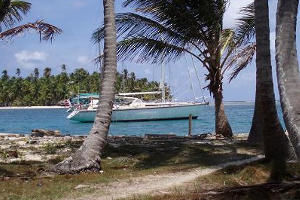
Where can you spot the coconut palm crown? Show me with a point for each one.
(163, 31)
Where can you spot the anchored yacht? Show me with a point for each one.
(128, 109)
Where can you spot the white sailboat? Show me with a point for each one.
(128, 108)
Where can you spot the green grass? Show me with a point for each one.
(28, 182)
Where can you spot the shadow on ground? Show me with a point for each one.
(186, 155)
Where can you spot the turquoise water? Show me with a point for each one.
(23, 121)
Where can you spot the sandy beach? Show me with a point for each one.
(32, 107)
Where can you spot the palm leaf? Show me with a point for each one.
(11, 12)
(148, 50)
(241, 60)
(227, 40)
(134, 25)
(46, 31)
(145, 49)
(246, 24)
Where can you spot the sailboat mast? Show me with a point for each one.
(162, 83)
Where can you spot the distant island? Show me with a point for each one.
(49, 90)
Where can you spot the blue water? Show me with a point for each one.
(23, 121)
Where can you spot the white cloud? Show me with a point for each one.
(28, 59)
(83, 60)
(233, 12)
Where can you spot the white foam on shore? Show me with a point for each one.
(10, 134)
(32, 107)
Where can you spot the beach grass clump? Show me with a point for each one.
(50, 148)
(3, 154)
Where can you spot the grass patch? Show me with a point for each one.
(50, 148)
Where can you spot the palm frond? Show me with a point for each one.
(227, 40)
(46, 31)
(134, 25)
(241, 60)
(11, 12)
(179, 23)
(145, 49)
(246, 24)
(148, 50)
(191, 18)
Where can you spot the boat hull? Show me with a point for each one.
(142, 114)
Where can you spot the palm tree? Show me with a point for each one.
(88, 157)
(11, 12)
(288, 68)
(47, 72)
(246, 27)
(4, 75)
(166, 30)
(63, 68)
(18, 72)
(273, 132)
(36, 73)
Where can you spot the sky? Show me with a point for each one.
(79, 18)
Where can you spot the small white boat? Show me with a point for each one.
(128, 109)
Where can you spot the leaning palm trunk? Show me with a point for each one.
(222, 125)
(88, 157)
(287, 68)
(275, 140)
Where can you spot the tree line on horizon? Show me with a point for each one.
(46, 89)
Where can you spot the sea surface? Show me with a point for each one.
(23, 121)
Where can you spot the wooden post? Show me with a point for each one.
(190, 125)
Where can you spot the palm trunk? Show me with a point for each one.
(222, 125)
(88, 157)
(256, 131)
(288, 69)
(275, 140)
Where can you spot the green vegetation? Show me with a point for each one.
(36, 90)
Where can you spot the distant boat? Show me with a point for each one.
(128, 109)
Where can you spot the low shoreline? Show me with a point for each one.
(32, 107)
(27, 148)
(236, 135)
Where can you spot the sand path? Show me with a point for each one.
(152, 184)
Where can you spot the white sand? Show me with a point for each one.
(32, 107)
